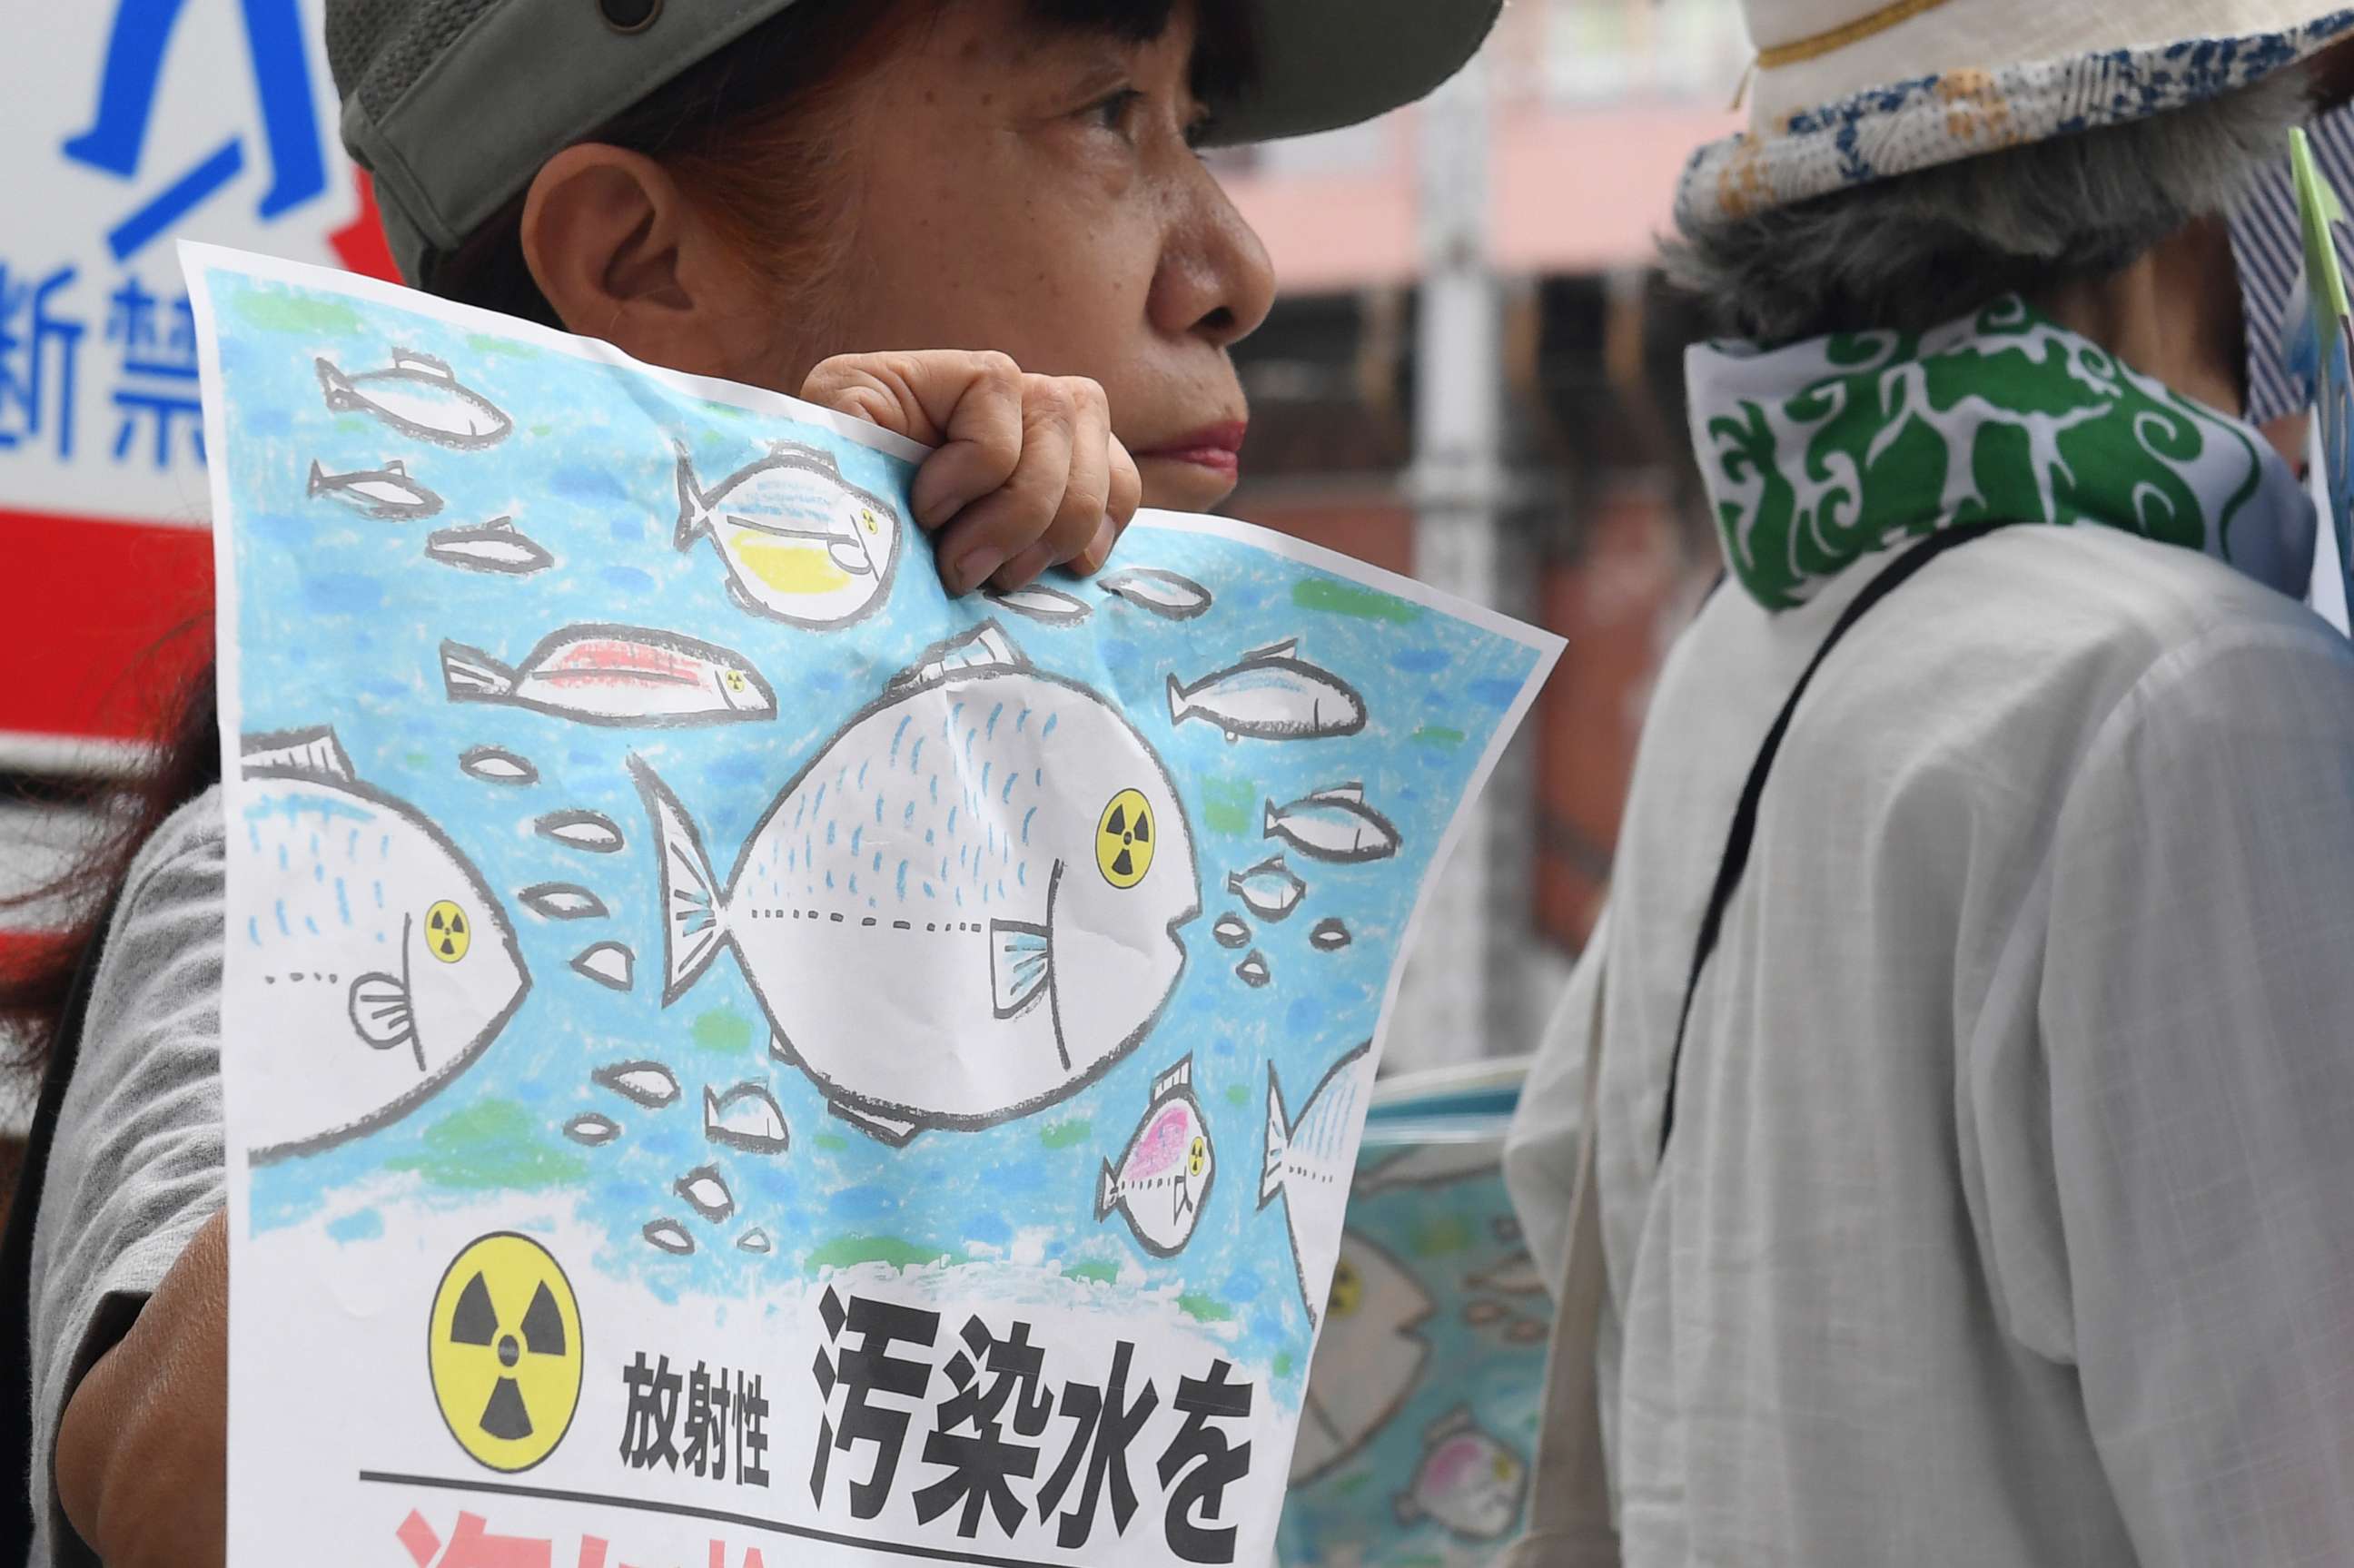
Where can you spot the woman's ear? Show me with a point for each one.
(610, 239)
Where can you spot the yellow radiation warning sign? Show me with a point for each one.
(505, 1352)
(448, 932)
(1124, 839)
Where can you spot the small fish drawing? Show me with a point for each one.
(1269, 890)
(647, 1084)
(1165, 594)
(1307, 1164)
(1270, 694)
(591, 831)
(392, 965)
(746, 1117)
(1231, 932)
(610, 964)
(562, 901)
(755, 1240)
(1003, 832)
(592, 1130)
(1516, 1275)
(385, 493)
(495, 765)
(670, 1237)
(1044, 604)
(1329, 935)
(802, 544)
(1164, 1177)
(1479, 1314)
(1253, 971)
(1334, 825)
(615, 675)
(421, 397)
(1368, 1357)
(1528, 1332)
(1432, 1165)
(705, 1191)
(1470, 1482)
(493, 547)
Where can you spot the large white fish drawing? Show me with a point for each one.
(1432, 1164)
(421, 396)
(1164, 1177)
(1333, 824)
(1308, 1165)
(383, 492)
(1368, 1358)
(388, 965)
(615, 675)
(1468, 1481)
(801, 543)
(1270, 694)
(1000, 830)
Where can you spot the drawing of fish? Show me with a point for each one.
(1231, 932)
(384, 492)
(1307, 1164)
(1165, 594)
(1431, 1165)
(746, 1117)
(592, 1130)
(610, 964)
(1269, 890)
(1049, 606)
(1270, 694)
(493, 547)
(1528, 1332)
(1329, 935)
(1479, 1314)
(615, 675)
(705, 1191)
(1164, 1177)
(421, 396)
(647, 1084)
(591, 831)
(1333, 824)
(562, 901)
(670, 1237)
(937, 830)
(801, 544)
(1468, 1481)
(495, 765)
(1253, 971)
(394, 966)
(1368, 1359)
(1516, 1275)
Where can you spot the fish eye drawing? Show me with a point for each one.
(1163, 1178)
(1270, 694)
(380, 932)
(1165, 594)
(1307, 1163)
(421, 397)
(1333, 824)
(387, 494)
(801, 544)
(622, 676)
(937, 822)
(1373, 1316)
(497, 546)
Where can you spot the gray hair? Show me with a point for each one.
(1912, 251)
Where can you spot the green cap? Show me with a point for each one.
(454, 105)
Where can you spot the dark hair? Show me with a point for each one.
(745, 127)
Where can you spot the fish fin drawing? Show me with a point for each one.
(316, 752)
(1107, 1192)
(1020, 965)
(694, 922)
(318, 478)
(1283, 649)
(805, 452)
(1351, 793)
(985, 647)
(381, 1012)
(850, 556)
(693, 506)
(398, 466)
(1278, 1141)
(424, 363)
(1180, 1076)
(470, 676)
(1270, 822)
(1454, 1424)
(886, 1129)
(743, 600)
(1180, 704)
(336, 388)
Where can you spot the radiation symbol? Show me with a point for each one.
(1348, 1291)
(504, 1351)
(448, 933)
(734, 679)
(1197, 1159)
(867, 518)
(1124, 839)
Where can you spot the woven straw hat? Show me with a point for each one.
(1848, 91)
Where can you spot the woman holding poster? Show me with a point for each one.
(982, 226)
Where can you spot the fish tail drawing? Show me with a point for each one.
(470, 676)
(695, 908)
(1273, 817)
(693, 506)
(318, 478)
(1107, 1192)
(1278, 1141)
(1180, 704)
(337, 389)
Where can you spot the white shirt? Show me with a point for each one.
(2010, 1213)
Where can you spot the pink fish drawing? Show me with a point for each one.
(620, 675)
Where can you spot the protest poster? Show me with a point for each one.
(732, 1056)
(1417, 1438)
(2320, 341)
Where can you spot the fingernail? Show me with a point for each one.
(1092, 559)
(972, 569)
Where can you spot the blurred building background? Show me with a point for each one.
(1472, 377)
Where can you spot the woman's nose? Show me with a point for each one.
(1215, 282)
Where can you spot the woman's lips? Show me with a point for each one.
(1217, 448)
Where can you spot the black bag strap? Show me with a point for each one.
(1745, 816)
(16, 1260)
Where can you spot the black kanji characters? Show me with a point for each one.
(862, 1373)
(982, 1464)
(1201, 1462)
(706, 1422)
(1108, 1423)
(650, 1424)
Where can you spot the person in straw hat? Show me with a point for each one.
(1973, 1021)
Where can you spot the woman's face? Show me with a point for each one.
(1036, 190)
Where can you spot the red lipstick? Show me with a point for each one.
(1217, 448)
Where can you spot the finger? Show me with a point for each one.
(1011, 518)
(1127, 495)
(968, 404)
(1086, 492)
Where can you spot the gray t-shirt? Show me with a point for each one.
(136, 1165)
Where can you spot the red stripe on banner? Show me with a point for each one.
(362, 246)
(104, 620)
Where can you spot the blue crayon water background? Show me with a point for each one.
(341, 617)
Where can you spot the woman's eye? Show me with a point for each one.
(1113, 113)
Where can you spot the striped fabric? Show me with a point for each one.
(2267, 242)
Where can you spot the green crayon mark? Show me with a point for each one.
(1347, 599)
(1440, 1237)
(1238, 1094)
(482, 342)
(543, 430)
(1282, 1364)
(275, 312)
(1230, 806)
(845, 1251)
(1065, 1134)
(417, 759)
(1094, 1273)
(496, 1145)
(1437, 734)
(832, 1142)
(1204, 1309)
(722, 1029)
